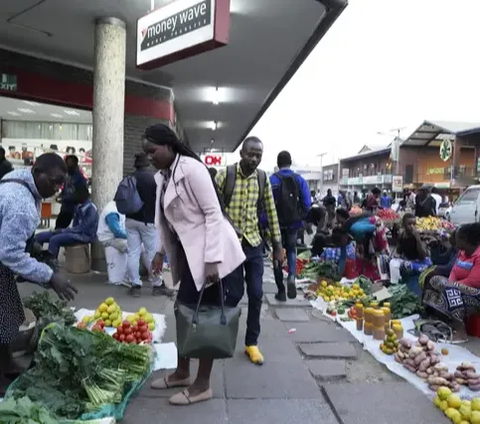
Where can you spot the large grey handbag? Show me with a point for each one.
(207, 331)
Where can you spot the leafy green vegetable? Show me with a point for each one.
(365, 284)
(403, 302)
(24, 411)
(77, 370)
(315, 270)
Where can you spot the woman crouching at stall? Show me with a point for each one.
(413, 253)
(342, 255)
(459, 295)
(201, 244)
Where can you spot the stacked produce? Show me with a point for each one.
(390, 344)
(457, 410)
(78, 371)
(324, 270)
(142, 315)
(388, 215)
(338, 291)
(403, 301)
(466, 375)
(138, 333)
(109, 311)
(422, 359)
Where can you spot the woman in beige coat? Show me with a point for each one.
(201, 244)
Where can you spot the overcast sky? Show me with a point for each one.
(384, 64)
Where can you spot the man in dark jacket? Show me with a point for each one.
(5, 165)
(141, 229)
(75, 180)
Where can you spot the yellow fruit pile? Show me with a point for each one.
(110, 312)
(339, 292)
(390, 345)
(429, 224)
(457, 410)
(144, 315)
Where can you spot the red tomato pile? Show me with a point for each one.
(99, 326)
(388, 215)
(128, 333)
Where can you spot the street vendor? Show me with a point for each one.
(371, 236)
(413, 253)
(459, 294)
(342, 254)
(20, 200)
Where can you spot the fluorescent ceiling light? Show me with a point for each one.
(13, 113)
(71, 112)
(30, 103)
(216, 96)
(56, 115)
(214, 125)
(23, 110)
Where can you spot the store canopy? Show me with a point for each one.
(269, 40)
(432, 133)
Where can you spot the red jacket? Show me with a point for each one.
(467, 269)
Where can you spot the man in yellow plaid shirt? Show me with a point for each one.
(247, 193)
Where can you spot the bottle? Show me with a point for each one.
(374, 305)
(398, 329)
(378, 319)
(368, 313)
(379, 333)
(368, 329)
(359, 324)
(359, 310)
(395, 322)
(386, 312)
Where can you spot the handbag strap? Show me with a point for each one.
(223, 319)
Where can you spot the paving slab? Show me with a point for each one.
(292, 314)
(152, 411)
(269, 287)
(272, 380)
(279, 411)
(379, 403)
(327, 369)
(298, 302)
(335, 350)
(268, 328)
(318, 331)
(217, 381)
(274, 349)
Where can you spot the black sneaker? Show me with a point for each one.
(281, 297)
(135, 291)
(162, 290)
(291, 287)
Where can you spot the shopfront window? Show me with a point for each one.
(46, 130)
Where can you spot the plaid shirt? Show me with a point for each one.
(243, 206)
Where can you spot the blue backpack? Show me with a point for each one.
(127, 198)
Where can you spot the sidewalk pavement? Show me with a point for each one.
(317, 374)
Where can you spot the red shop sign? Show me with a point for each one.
(213, 160)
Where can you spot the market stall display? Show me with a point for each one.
(458, 410)
(433, 224)
(81, 374)
(388, 216)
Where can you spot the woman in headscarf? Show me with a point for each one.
(458, 295)
(201, 244)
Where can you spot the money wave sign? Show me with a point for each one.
(181, 29)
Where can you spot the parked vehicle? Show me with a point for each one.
(467, 207)
(444, 210)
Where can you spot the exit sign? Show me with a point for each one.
(8, 82)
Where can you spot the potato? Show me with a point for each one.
(397, 358)
(420, 358)
(407, 343)
(423, 339)
(424, 365)
(438, 381)
(422, 374)
(410, 368)
(433, 387)
(473, 382)
(446, 375)
(466, 366)
(430, 345)
(471, 375)
(414, 352)
(409, 362)
(461, 381)
(474, 388)
(434, 359)
(429, 371)
(401, 355)
(441, 367)
(455, 387)
(460, 374)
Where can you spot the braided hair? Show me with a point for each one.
(163, 135)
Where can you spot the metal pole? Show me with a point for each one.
(152, 5)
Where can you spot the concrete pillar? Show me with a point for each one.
(457, 148)
(108, 116)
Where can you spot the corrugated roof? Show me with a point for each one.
(367, 154)
(432, 133)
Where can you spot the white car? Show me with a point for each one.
(444, 210)
(467, 207)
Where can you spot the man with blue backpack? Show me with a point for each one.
(293, 201)
(135, 198)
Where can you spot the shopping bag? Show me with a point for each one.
(207, 331)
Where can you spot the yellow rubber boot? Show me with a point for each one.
(254, 354)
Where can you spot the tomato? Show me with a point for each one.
(126, 324)
(101, 323)
(120, 330)
(121, 337)
(140, 322)
(142, 328)
(145, 335)
(135, 328)
(129, 338)
(115, 336)
(127, 331)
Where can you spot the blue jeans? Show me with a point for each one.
(252, 269)
(57, 240)
(289, 242)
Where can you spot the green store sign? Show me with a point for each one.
(8, 82)
(446, 150)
